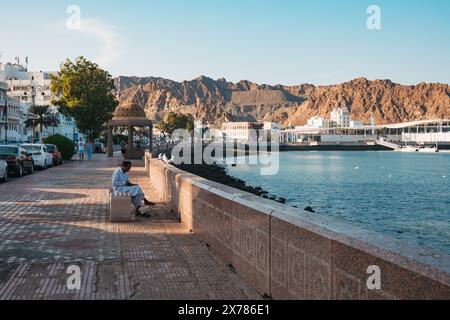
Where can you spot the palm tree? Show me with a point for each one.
(41, 116)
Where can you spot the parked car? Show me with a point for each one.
(57, 156)
(3, 170)
(42, 158)
(99, 147)
(18, 159)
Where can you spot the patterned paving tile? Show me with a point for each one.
(56, 219)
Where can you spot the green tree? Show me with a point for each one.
(85, 92)
(176, 121)
(42, 116)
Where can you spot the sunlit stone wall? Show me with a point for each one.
(286, 253)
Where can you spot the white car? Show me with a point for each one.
(42, 158)
(3, 170)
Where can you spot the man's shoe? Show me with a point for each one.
(149, 203)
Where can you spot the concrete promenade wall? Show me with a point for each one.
(286, 253)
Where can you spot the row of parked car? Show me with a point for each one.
(22, 159)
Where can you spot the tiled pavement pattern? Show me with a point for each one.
(58, 218)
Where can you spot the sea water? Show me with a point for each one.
(403, 195)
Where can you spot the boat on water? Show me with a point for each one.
(407, 149)
(419, 148)
(429, 149)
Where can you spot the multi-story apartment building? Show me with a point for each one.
(3, 93)
(12, 128)
(33, 88)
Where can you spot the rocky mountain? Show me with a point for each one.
(216, 101)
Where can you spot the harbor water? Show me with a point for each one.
(403, 195)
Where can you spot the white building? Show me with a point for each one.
(356, 124)
(34, 88)
(66, 127)
(272, 126)
(319, 122)
(26, 86)
(424, 132)
(272, 131)
(241, 131)
(248, 132)
(3, 90)
(341, 117)
(14, 119)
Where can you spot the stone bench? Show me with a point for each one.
(120, 207)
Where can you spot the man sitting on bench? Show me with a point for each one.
(121, 183)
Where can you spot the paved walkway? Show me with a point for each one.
(55, 219)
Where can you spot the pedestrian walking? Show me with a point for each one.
(90, 149)
(81, 149)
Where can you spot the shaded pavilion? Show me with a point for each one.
(130, 115)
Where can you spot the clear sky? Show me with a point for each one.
(266, 41)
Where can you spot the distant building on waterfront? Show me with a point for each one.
(341, 117)
(33, 88)
(319, 122)
(241, 131)
(272, 131)
(356, 124)
(248, 132)
(272, 126)
(425, 132)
